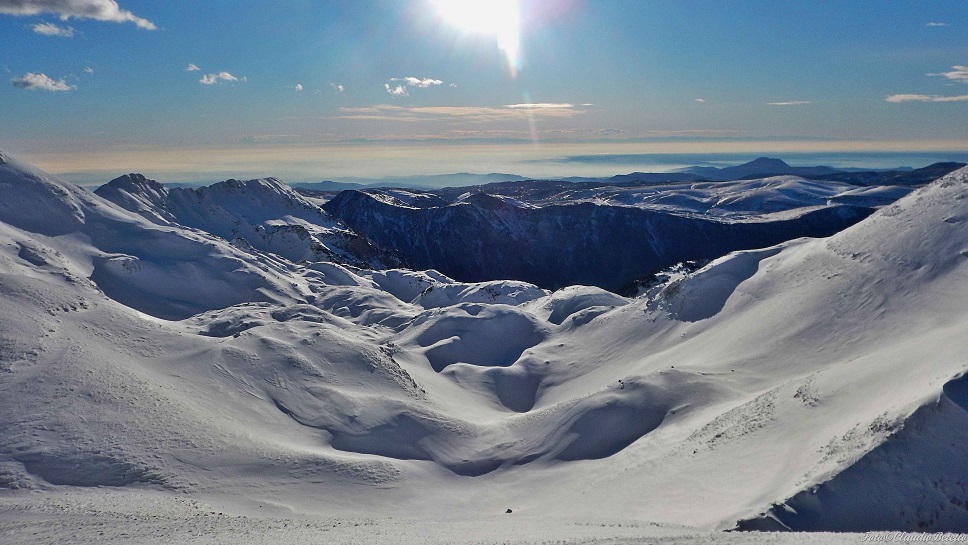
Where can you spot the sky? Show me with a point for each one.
(307, 90)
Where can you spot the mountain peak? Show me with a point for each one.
(766, 162)
(135, 182)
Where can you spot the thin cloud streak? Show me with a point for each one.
(957, 73)
(790, 103)
(540, 106)
(472, 114)
(926, 98)
(50, 29)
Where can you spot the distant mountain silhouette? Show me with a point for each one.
(909, 178)
(762, 166)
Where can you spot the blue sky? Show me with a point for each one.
(327, 89)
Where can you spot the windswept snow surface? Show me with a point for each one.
(150, 368)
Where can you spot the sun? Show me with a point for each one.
(498, 18)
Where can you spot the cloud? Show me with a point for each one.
(398, 91)
(585, 132)
(337, 87)
(269, 139)
(99, 10)
(399, 86)
(926, 98)
(88, 70)
(212, 79)
(417, 82)
(790, 103)
(192, 67)
(298, 87)
(50, 29)
(958, 73)
(471, 114)
(935, 23)
(540, 106)
(700, 100)
(31, 81)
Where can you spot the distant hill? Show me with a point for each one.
(436, 180)
(328, 185)
(760, 167)
(910, 178)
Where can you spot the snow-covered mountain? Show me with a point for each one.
(556, 234)
(776, 386)
(265, 213)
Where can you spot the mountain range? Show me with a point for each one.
(162, 380)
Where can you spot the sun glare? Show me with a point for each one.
(498, 18)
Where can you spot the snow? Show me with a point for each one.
(264, 214)
(131, 518)
(726, 199)
(159, 384)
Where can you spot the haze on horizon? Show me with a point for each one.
(312, 90)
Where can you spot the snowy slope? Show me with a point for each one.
(162, 270)
(258, 385)
(264, 214)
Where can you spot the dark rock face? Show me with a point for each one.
(485, 237)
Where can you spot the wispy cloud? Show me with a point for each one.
(958, 73)
(298, 87)
(600, 132)
(50, 29)
(790, 103)
(541, 106)
(88, 70)
(696, 133)
(936, 23)
(99, 10)
(926, 98)
(400, 86)
(32, 82)
(700, 100)
(269, 139)
(337, 87)
(472, 114)
(192, 67)
(212, 79)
